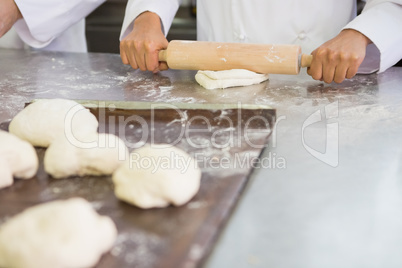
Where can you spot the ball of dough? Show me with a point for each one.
(65, 233)
(156, 176)
(17, 158)
(6, 174)
(97, 154)
(41, 122)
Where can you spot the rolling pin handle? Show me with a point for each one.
(163, 55)
(306, 60)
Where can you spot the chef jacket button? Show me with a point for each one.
(242, 37)
(302, 35)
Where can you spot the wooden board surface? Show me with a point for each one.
(173, 236)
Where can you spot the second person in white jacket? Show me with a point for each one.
(57, 25)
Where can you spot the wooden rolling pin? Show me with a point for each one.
(214, 56)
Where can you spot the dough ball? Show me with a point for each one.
(17, 158)
(97, 154)
(156, 176)
(6, 174)
(41, 122)
(65, 233)
(229, 78)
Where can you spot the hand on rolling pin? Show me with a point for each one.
(9, 14)
(140, 48)
(339, 58)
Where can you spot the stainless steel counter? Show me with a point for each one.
(329, 189)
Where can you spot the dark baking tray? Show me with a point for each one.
(173, 236)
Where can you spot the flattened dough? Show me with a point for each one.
(229, 78)
(66, 233)
(17, 158)
(157, 176)
(41, 122)
(97, 154)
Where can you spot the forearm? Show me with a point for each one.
(381, 22)
(149, 21)
(9, 14)
(165, 9)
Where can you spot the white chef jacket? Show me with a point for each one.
(50, 25)
(308, 23)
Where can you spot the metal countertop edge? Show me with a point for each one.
(140, 105)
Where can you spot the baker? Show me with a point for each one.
(329, 30)
(45, 24)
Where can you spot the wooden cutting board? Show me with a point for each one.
(173, 236)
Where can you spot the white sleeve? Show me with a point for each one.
(44, 20)
(381, 22)
(165, 9)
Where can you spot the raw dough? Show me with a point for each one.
(99, 154)
(57, 234)
(41, 122)
(6, 175)
(17, 158)
(229, 78)
(156, 176)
